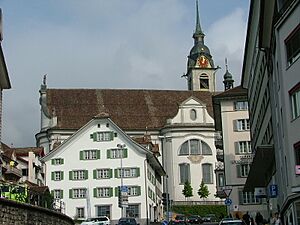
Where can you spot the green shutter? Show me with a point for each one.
(95, 192)
(61, 161)
(81, 155)
(116, 191)
(236, 146)
(95, 136)
(111, 192)
(52, 175)
(52, 193)
(241, 201)
(116, 173)
(52, 161)
(110, 173)
(238, 170)
(86, 174)
(61, 194)
(98, 154)
(139, 190)
(61, 175)
(70, 193)
(108, 155)
(125, 153)
(137, 172)
(91, 136)
(95, 174)
(70, 175)
(111, 135)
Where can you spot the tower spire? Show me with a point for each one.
(198, 34)
(228, 80)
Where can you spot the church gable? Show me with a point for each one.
(192, 111)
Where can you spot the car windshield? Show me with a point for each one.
(97, 219)
(126, 221)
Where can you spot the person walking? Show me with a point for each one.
(246, 218)
(276, 219)
(259, 220)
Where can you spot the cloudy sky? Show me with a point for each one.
(127, 44)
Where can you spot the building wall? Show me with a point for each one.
(70, 152)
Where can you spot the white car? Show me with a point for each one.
(101, 220)
(230, 221)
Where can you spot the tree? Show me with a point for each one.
(203, 191)
(187, 190)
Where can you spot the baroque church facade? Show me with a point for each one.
(179, 125)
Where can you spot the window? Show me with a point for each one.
(127, 172)
(102, 173)
(184, 170)
(221, 180)
(207, 173)
(204, 82)
(57, 175)
(89, 154)
(243, 170)
(134, 190)
(57, 161)
(243, 147)
(103, 192)
(78, 175)
(116, 153)
(193, 114)
(297, 152)
(292, 44)
(103, 210)
(80, 212)
(133, 210)
(195, 147)
(242, 125)
(24, 172)
(102, 136)
(248, 198)
(295, 100)
(78, 193)
(241, 105)
(57, 194)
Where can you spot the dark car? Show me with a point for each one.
(210, 218)
(194, 219)
(177, 222)
(180, 218)
(127, 221)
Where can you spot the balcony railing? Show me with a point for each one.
(220, 155)
(10, 170)
(218, 140)
(219, 166)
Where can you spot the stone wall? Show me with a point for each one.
(14, 213)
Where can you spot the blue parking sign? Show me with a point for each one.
(273, 191)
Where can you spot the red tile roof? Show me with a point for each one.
(24, 151)
(129, 109)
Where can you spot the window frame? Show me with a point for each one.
(78, 212)
(295, 101)
(241, 105)
(205, 178)
(202, 148)
(78, 193)
(292, 50)
(184, 173)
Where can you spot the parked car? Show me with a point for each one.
(230, 221)
(127, 221)
(180, 217)
(210, 218)
(194, 219)
(101, 220)
(177, 222)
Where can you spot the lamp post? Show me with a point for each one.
(121, 147)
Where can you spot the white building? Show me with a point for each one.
(85, 173)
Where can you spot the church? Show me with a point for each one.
(176, 126)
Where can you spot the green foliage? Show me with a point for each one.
(203, 191)
(200, 210)
(187, 190)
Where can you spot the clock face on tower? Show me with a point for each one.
(202, 61)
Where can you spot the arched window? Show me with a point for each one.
(207, 173)
(184, 171)
(193, 114)
(204, 81)
(195, 147)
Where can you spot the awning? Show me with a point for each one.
(262, 168)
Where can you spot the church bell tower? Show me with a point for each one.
(200, 67)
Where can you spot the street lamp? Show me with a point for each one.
(121, 148)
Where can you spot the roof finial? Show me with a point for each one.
(198, 34)
(226, 64)
(44, 79)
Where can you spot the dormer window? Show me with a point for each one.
(193, 114)
(204, 81)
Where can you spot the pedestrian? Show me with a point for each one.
(276, 219)
(246, 218)
(259, 220)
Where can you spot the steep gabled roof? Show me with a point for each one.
(24, 151)
(129, 109)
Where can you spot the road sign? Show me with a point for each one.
(228, 201)
(227, 191)
(124, 189)
(273, 191)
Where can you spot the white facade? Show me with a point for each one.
(67, 172)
